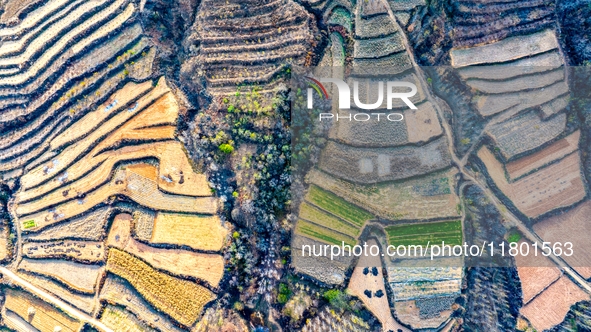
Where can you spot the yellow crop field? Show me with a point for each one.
(119, 319)
(45, 317)
(208, 267)
(195, 231)
(183, 300)
(93, 119)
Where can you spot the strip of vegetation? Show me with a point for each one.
(420, 234)
(337, 206)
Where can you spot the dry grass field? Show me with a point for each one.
(196, 231)
(360, 283)
(535, 279)
(90, 227)
(15, 322)
(556, 150)
(555, 186)
(129, 182)
(67, 249)
(76, 276)
(428, 197)
(143, 224)
(63, 160)
(409, 313)
(183, 300)
(84, 302)
(529, 65)
(122, 320)
(422, 124)
(371, 165)
(506, 50)
(535, 273)
(570, 226)
(99, 176)
(45, 318)
(93, 119)
(549, 308)
(208, 267)
(536, 81)
(117, 291)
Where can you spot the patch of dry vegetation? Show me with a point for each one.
(183, 300)
(38, 313)
(551, 306)
(196, 231)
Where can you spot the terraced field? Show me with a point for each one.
(183, 300)
(205, 267)
(557, 185)
(428, 197)
(551, 306)
(117, 291)
(377, 170)
(508, 56)
(121, 320)
(478, 22)
(39, 314)
(449, 232)
(232, 53)
(536, 274)
(572, 225)
(89, 132)
(519, 87)
(111, 225)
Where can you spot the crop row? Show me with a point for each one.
(423, 233)
(183, 300)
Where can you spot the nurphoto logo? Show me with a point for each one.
(344, 98)
(345, 93)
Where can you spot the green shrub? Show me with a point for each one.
(284, 293)
(226, 148)
(336, 298)
(514, 236)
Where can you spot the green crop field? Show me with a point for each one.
(322, 234)
(420, 234)
(337, 206)
(29, 224)
(317, 216)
